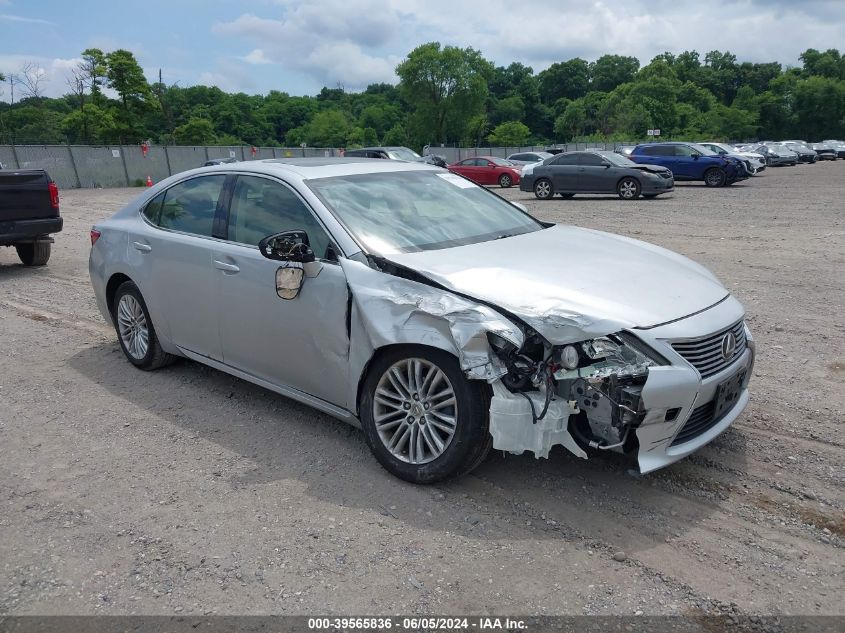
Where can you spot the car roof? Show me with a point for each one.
(306, 168)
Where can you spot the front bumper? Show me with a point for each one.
(15, 231)
(680, 386)
(654, 186)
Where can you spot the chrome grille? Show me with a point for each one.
(705, 353)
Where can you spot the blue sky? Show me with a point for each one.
(297, 47)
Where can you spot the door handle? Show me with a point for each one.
(140, 246)
(229, 268)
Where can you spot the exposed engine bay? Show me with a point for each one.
(583, 395)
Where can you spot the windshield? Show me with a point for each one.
(410, 211)
(502, 162)
(403, 153)
(706, 151)
(618, 159)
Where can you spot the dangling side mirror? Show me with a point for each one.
(288, 246)
(289, 280)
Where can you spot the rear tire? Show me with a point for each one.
(505, 181)
(715, 177)
(34, 253)
(543, 189)
(135, 330)
(392, 382)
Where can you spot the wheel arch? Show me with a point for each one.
(632, 176)
(112, 285)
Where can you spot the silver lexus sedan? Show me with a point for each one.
(428, 311)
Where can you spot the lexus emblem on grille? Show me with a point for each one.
(728, 345)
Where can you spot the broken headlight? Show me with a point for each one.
(619, 354)
(605, 386)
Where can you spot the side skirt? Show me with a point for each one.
(288, 392)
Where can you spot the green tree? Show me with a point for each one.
(195, 132)
(820, 107)
(510, 134)
(572, 122)
(570, 79)
(329, 128)
(94, 69)
(395, 136)
(609, 71)
(90, 124)
(445, 88)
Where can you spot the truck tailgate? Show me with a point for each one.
(24, 195)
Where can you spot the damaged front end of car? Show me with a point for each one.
(582, 395)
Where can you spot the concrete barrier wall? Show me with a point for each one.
(125, 166)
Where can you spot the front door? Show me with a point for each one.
(594, 174)
(301, 342)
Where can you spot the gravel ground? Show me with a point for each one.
(189, 491)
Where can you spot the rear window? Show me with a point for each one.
(190, 206)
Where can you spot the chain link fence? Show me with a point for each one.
(75, 166)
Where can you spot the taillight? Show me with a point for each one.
(54, 195)
(95, 235)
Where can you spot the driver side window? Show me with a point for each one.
(262, 207)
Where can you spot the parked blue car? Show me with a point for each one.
(691, 161)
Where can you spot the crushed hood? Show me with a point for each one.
(569, 283)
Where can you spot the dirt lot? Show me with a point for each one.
(188, 491)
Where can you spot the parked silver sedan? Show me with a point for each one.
(354, 286)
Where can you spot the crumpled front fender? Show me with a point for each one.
(389, 310)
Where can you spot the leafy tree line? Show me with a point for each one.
(445, 95)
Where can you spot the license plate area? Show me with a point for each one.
(727, 394)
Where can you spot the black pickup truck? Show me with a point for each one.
(29, 213)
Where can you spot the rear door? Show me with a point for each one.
(564, 172)
(174, 254)
(301, 342)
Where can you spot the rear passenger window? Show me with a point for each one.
(153, 209)
(659, 150)
(565, 159)
(189, 207)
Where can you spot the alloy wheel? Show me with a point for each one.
(132, 326)
(628, 189)
(543, 189)
(415, 410)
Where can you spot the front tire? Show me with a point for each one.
(34, 253)
(628, 188)
(422, 418)
(543, 189)
(135, 330)
(505, 181)
(715, 177)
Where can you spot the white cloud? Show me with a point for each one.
(325, 40)
(356, 42)
(5, 17)
(256, 56)
(55, 72)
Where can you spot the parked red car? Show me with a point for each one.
(488, 170)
